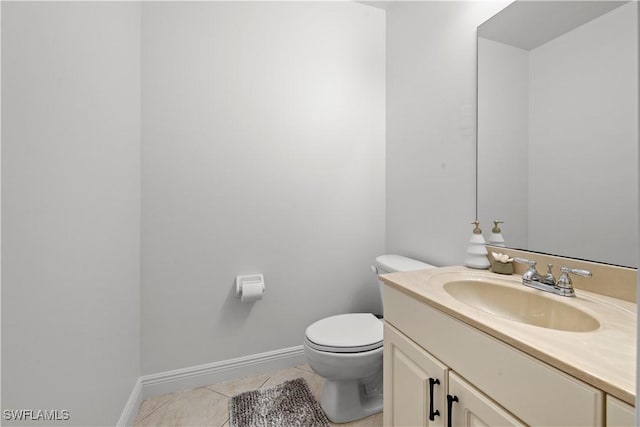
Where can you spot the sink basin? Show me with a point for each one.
(521, 305)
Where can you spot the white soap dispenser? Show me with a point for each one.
(496, 238)
(476, 252)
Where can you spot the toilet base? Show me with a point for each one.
(348, 400)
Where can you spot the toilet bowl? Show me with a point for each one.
(346, 350)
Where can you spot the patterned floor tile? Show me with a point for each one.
(197, 407)
(148, 406)
(233, 387)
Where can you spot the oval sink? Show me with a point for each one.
(521, 306)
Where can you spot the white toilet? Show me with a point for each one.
(347, 351)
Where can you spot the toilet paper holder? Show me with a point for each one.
(246, 280)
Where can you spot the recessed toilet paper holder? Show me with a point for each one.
(246, 280)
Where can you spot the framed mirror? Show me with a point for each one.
(558, 128)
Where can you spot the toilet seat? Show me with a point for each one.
(345, 333)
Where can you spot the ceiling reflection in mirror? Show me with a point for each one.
(558, 128)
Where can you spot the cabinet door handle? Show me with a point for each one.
(432, 414)
(450, 400)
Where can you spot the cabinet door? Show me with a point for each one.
(472, 408)
(408, 397)
(619, 414)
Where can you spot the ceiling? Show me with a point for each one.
(529, 24)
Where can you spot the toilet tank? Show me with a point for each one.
(392, 263)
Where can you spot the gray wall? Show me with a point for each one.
(263, 152)
(430, 139)
(70, 208)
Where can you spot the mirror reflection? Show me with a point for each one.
(558, 128)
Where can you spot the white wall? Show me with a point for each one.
(503, 139)
(70, 208)
(431, 95)
(263, 152)
(567, 74)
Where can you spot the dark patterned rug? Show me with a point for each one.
(288, 404)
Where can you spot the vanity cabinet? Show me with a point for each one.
(619, 413)
(495, 383)
(422, 391)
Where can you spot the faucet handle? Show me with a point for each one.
(565, 284)
(576, 271)
(531, 262)
(531, 274)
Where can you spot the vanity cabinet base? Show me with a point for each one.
(619, 413)
(531, 391)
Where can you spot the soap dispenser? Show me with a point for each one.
(496, 238)
(476, 252)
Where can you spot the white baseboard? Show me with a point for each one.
(211, 373)
(131, 408)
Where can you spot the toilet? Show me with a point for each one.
(346, 350)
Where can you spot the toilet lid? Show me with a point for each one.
(393, 263)
(346, 333)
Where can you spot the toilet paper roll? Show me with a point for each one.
(252, 291)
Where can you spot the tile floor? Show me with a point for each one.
(209, 406)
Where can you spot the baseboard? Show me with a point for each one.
(211, 373)
(131, 408)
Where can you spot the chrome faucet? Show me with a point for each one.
(563, 286)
